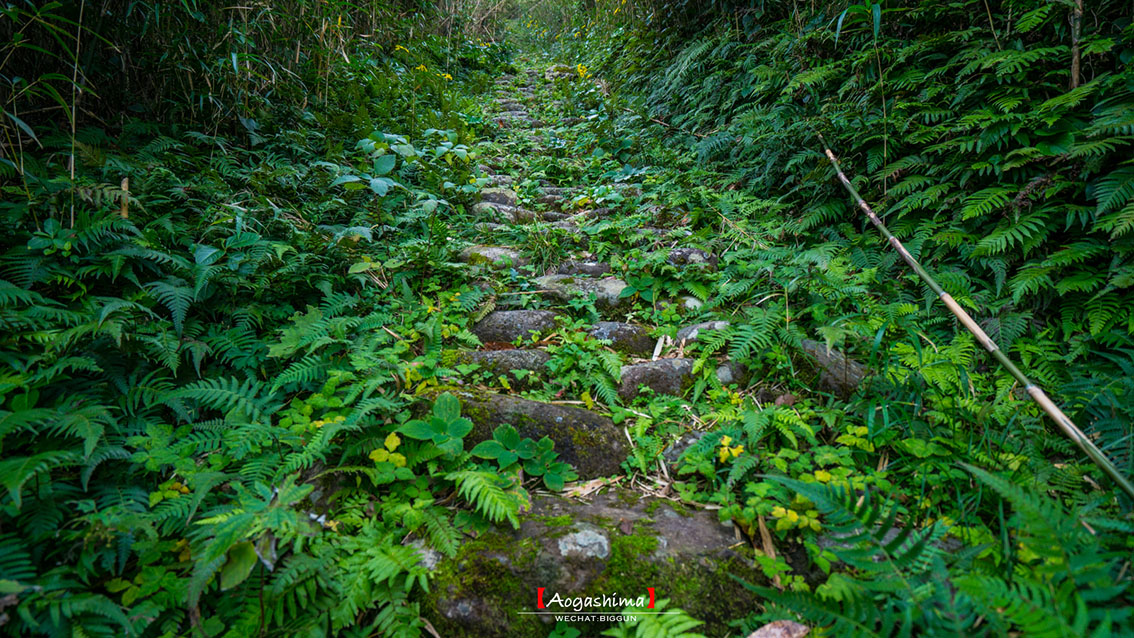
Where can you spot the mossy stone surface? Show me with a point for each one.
(588, 441)
(616, 545)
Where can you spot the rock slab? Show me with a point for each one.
(664, 376)
(588, 441)
(618, 545)
(505, 326)
(624, 337)
(607, 290)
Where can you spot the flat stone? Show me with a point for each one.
(592, 268)
(558, 191)
(689, 302)
(550, 200)
(516, 113)
(498, 256)
(664, 376)
(505, 361)
(572, 121)
(838, 373)
(614, 545)
(588, 441)
(564, 287)
(568, 225)
(689, 334)
(560, 72)
(624, 337)
(505, 326)
(503, 212)
(501, 180)
(504, 196)
(732, 372)
(692, 257)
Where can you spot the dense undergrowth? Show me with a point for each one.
(190, 353)
(1001, 169)
(207, 423)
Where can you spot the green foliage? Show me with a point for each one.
(200, 411)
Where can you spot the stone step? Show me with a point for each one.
(495, 256)
(505, 326)
(664, 376)
(590, 268)
(565, 287)
(673, 376)
(503, 362)
(505, 196)
(590, 442)
(624, 337)
(692, 256)
(618, 544)
(690, 334)
(504, 213)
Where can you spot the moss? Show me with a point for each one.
(630, 498)
(557, 521)
(484, 570)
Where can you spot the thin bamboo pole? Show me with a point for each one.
(1035, 392)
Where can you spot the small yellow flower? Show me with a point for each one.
(582, 70)
(420, 67)
(334, 525)
(727, 452)
(402, 48)
(447, 76)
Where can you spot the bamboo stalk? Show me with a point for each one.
(1035, 392)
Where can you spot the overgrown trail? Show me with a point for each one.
(635, 539)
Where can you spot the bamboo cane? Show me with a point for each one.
(1035, 392)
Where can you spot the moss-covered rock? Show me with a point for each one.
(503, 362)
(505, 326)
(624, 337)
(617, 545)
(590, 442)
(495, 256)
(838, 372)
(664, 376)
(607, 290)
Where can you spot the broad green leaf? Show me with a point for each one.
(241, 560)
(344, 179)
(384, 164)
(490, 449)
(447, 407)
(459, 427)
(417, 429)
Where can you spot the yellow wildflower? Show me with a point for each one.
(420, 67)
(334, 525)
(402, 48)
(446, 76)
(582, 70)
(727, 452)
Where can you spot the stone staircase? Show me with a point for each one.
(620, 542)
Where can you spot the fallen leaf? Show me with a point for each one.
(788, 399)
